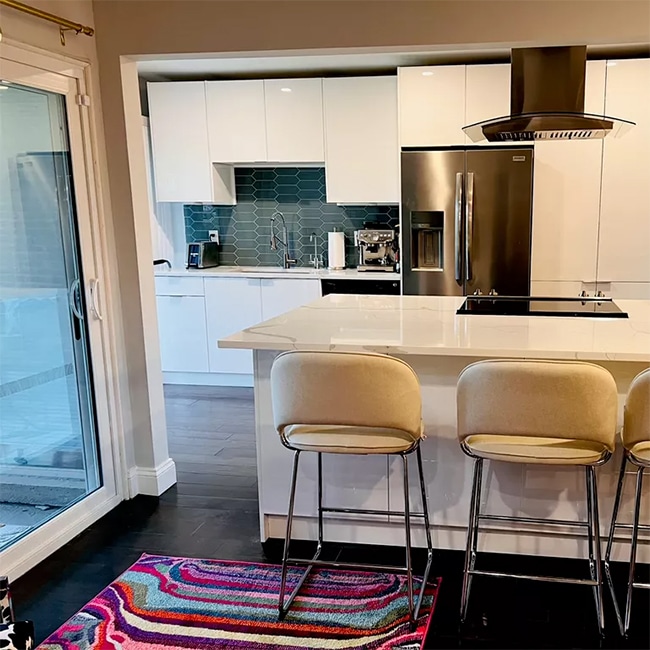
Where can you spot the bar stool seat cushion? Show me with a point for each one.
(535, 450)
(641, 451)
(348, 439)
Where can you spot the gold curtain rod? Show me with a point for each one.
(64, 24)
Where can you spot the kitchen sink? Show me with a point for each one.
(274, 269)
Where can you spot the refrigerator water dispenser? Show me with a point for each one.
(427, 240)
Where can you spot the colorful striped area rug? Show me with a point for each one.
(169, 602)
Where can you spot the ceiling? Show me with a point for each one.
(279, 64)
(218, 67)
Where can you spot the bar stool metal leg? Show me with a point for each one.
(320, 504)
(285, 555)
(472, 536)
(407, 531)
(635, 537)
(427, 531)
(594, 533)
(610, 543)
(590, 540)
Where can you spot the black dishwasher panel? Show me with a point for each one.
(368, 287)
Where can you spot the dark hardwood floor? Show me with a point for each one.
(212, 513)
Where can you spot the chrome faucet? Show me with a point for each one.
(286, 260)
(315, 257)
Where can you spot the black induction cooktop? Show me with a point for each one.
(541, 306)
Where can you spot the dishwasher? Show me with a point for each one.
(368, 287)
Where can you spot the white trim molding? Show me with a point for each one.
(152, 481)
(42, 542)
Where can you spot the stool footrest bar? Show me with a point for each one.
(347, 565)
(645, 527)
(522, 576)
(641, 585)
(358, 511)
(535, 520)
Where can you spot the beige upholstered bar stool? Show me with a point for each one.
(636, 443)
(348, 403)
(540, 412)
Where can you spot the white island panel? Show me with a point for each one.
(438, 344)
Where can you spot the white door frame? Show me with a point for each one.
(70, 77)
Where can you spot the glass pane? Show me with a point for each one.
(48, 451)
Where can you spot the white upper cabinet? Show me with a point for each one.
(432, 105)
(236, 121)
(362, 150)
(179, 140)
(624, 251)
(294, 120)
(487, 94)
(566, 198)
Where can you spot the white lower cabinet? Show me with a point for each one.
(231, 305)
(194, 312)
(183, 336)
(281, 296)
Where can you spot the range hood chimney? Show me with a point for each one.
(547, 101)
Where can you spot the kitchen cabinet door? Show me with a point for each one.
(231, 305)
(294, 120)
(432, 105)
(280, 296)
(236, 121)
(182, 331)
(362, 151)
(179, 141)
(566, 198)
(487, 94)
(624, 242)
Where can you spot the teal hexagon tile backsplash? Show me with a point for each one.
(297, 192)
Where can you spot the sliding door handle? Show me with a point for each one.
(458, 215)
(94, 299)
(74, 299)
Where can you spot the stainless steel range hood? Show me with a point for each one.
(547, 101)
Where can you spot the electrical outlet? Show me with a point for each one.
(213, 235)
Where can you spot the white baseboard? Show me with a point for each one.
(152, 481)
(207, 379)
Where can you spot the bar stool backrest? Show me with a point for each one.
(636, 425)
(345, 389)
(545, 399)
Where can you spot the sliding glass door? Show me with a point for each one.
(50, 447)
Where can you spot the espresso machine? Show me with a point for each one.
(378, 248)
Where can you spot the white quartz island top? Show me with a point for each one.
(429, 325)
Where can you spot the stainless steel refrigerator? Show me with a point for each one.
(467, 220)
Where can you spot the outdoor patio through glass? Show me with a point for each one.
(48, 451)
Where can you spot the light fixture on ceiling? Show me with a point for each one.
(427, 73)
(611, 63)
(285, 90)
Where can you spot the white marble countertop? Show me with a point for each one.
(429, 325)
(278, 272)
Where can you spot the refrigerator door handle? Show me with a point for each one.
(458, 215)
(469, 225)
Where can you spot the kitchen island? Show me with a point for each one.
(427, 333)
